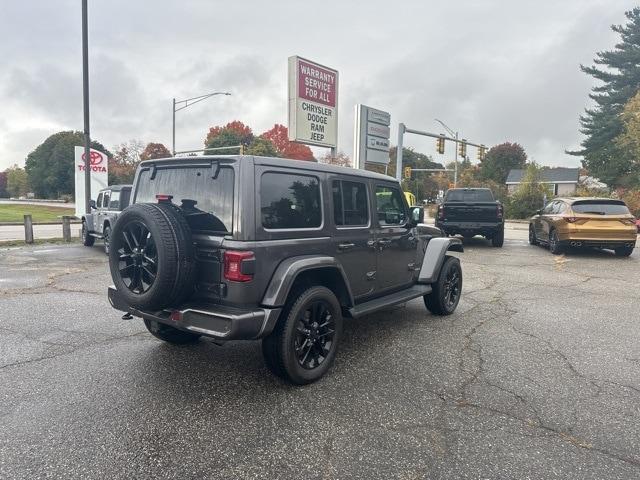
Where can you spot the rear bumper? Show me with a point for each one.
(216, 321)
(470, 227)
(597, 243)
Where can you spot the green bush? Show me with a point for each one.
(529, 196)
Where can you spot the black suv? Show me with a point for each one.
(248, 247)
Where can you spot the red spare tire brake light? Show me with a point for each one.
(239, 266)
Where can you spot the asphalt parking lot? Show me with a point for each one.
(536, 375)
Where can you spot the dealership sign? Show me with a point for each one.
(99, 176)
(372, 134)
(313, 103)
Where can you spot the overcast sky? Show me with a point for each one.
(496, 70)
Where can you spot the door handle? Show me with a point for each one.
(346, 246)
(371, 243)
(383, 243)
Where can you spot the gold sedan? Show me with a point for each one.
(584, 222)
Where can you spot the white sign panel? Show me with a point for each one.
(313, 103)
(99, 176)
(372, 133)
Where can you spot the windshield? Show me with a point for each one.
(477, 195)
(600, 207)
(207, 202)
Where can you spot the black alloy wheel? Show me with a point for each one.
(446, 291)
(138, 258)
(303, 345)
(315, 331)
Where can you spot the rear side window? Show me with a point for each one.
(114, 201)
(350, 204)
(469, 196)
(600, 207)
(290, 201)
(206, 202)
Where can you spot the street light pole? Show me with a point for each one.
(187, 103)
(85, 104)
(455, 153)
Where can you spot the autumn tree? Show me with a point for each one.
(529, 195)
(155, 150)
(17, 182)
(279, 136)
(618, 72)
(232, 134)
(500, 159)
(50, 167)
(124, 161)
(3, 185)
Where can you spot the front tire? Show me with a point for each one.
(170, 334)
(623, 251)
(106, 235)
(532, 236)
(303, 346)
(87, 240)
(445, 295)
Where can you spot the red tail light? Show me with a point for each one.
(441, 212)
(629, 221)
(500, 211)
(164, 198)
(570, 219)
(239, 266)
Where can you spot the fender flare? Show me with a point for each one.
(287, 272)
(434, 256)
(88, 220)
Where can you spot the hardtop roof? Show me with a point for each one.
(273, 161)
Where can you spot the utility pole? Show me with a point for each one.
(85, 102)
(401, 131)
(173, 143)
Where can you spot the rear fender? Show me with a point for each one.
(434, 256)
(287, 272)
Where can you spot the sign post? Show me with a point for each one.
(313, 104)
(98, 163)
(371, 136)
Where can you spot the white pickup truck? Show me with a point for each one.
(104, 211)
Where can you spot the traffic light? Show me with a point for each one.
(440, 145)
(407, 173)
(482, 152)
(462, 148)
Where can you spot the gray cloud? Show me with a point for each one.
(497, 70)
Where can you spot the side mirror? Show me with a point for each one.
(92, 204)
(417, 215)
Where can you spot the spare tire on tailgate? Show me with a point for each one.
(152, 257)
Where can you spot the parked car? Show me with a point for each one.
(104, 212)
(472, 211)
(638, 224)
(584, 222)
(248, 247)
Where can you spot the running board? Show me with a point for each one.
(388, 300)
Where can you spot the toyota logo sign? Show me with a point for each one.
(95, 158)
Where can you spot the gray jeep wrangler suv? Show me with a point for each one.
(245, 247)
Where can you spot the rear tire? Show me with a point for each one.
(623, 251)
(170, 334)
(303, 346)
(446, 292)
(497, 240)
(554, 243)
(87, 240)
